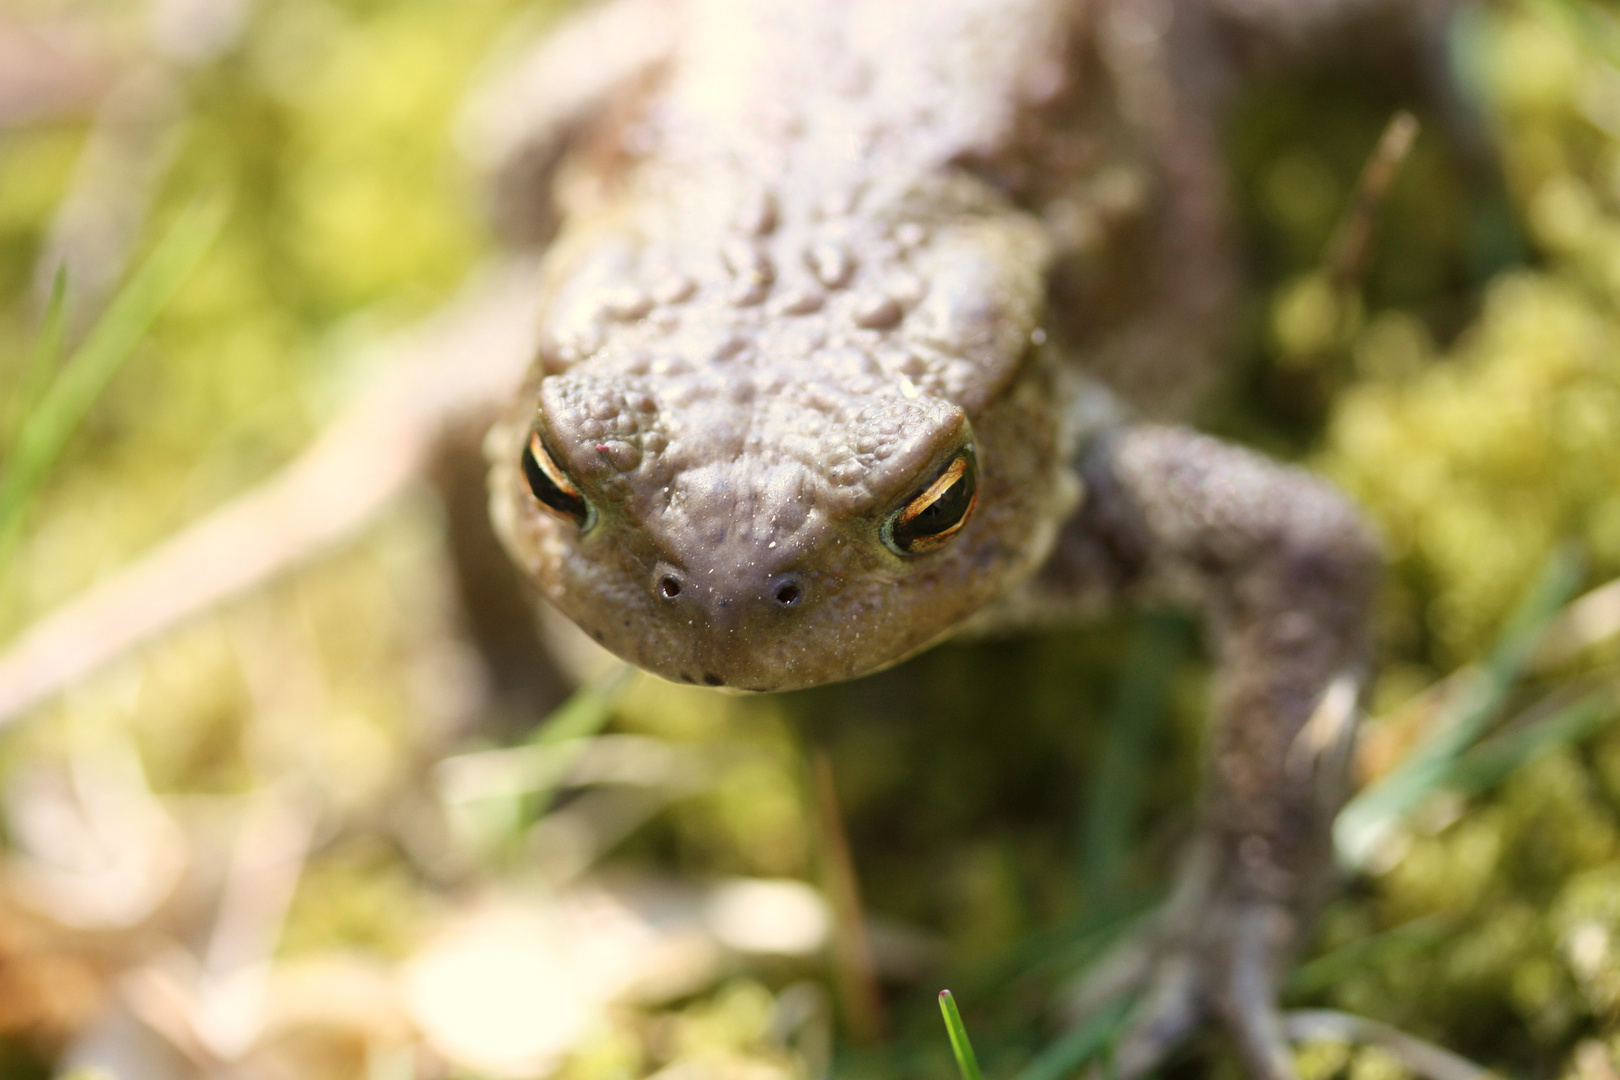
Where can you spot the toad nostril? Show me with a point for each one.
(669, 587)
(788, 595)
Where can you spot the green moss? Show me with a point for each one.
(1472, 406)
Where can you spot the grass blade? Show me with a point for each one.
(585, 711)
(1134, 723)
(961, 1046)
(47, 355)
(1080, 1045)
(1370, 817)
(1488, 764)
(573, 724)
(1508, 660)
(1409, 939)
(494, 823)
(46, 429)
(1065, 948)
(854, 972)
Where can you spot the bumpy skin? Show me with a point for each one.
(1283, 571)
(820, 245)
(783, 295)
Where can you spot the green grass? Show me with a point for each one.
(1117, 783)
(1080, 1045)
(499, 819)
(961, 1045)
(1444, 760)
(1463, 756)
(47, 354)
(56, 395)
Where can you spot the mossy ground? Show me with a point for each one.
(1470, 399)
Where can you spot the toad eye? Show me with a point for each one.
(938, 512)
(552, 487)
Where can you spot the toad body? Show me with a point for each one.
(850, 308)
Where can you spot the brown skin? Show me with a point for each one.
(702, 575)
(805, 252)
(817, 249)
(747, 376)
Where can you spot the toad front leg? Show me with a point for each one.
(1283, 571)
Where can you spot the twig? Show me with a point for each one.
(1423, 1058)
(472, 353)
(1320, 310)
(213, 1011)
(266, 863)
(852, 951)
(1352, 240)
(50, 71)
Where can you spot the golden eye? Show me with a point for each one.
(938, 512)
(552, 487)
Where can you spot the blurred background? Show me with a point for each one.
(302, 837)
